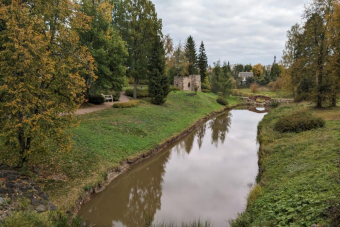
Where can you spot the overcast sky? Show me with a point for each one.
(239, 31)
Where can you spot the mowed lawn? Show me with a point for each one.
(301, 172)
(105, 138)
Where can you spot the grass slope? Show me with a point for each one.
(105, 138)
(299, 173)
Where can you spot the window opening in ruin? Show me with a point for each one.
(189, 84)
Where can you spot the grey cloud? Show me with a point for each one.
(242, 31)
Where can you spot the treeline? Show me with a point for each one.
(312, 54)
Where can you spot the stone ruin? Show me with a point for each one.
(188, 83)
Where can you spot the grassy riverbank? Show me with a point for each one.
(106, 138)
(299, 180)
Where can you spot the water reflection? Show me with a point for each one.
(205, 175)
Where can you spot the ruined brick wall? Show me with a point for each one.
(188, 83)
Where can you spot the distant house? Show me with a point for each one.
(244, 76)
(188, 83)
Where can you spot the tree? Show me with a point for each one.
(169, 50)
(258, 71)
(275, 72)
(179, 63)
(333, 39)
(41, 63)
(248, 68)
(202, 62)
(190, 53)
(138, 23)
(237, 69)
(106, 46)
(158, 81)
(221, 82)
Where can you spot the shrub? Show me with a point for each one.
(274, 103)
(222, 101)
(299, 122)
(96, 99)
(172, 88)
(129, 104)
(254, 88)
(141, 93)
(206, 91)
(205, 86)
(235, 92)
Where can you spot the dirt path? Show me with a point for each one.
(106, 105)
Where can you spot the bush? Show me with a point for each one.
(222, 101)
(129, 104)
(206, 91)
(274, 103)
(96, 99)
(254, 88)
(172, 88)
(205, 86)
(140, 93)
(235, 92)
(299, 122)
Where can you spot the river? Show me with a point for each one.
(207, 176)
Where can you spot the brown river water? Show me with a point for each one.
(207, 176)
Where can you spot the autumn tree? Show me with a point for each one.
(41, 63)
(202, 62)
(258, 71)
(138, 23)
(158, 81)
(190, 53)
(333, 39)
(106, 46)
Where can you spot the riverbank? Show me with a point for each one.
(298, 184)
(109, 141)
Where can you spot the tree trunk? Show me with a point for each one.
(24, 146)
(135, 89)
(334, 100)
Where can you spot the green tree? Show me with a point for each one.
(106, 46)
(41, 63)
(237, 69)
(138, 23)
(221, 80)
(190, 53)
(158, 81)
(179, 63)
(248, 68)
(202, 62)
(275, 72)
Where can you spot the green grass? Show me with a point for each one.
(298, 173)
(106, 138)
(266, 92)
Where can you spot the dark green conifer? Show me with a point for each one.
(190, 53)
(158, 81)
(202, 62)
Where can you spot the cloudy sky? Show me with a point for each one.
(239, 31)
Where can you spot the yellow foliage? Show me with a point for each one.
(41, 82)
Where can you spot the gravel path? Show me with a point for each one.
(106, 105)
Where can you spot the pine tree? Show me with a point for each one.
(202, 62)
(158, 81)
(190, 53)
